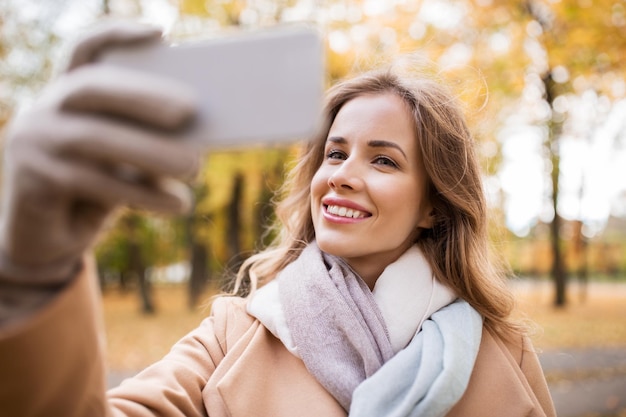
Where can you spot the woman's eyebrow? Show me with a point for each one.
(386, 144)
(337, 139)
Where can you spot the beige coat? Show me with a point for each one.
(51, 365)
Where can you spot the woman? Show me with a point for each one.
(377, 298)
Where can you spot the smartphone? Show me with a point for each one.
(253, 88)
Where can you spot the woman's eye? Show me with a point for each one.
(335, 154)
(385, 160)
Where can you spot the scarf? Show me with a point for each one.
(428, 377)
(325, 314)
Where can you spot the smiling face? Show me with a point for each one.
(368, 195)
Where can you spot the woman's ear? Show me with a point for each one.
(427, 221)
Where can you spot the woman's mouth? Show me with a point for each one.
(349, 213)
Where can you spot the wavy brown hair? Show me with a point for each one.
(457, 245)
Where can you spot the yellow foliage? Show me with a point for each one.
(193, 7)
(260, 170)
(587, 37)
(226, 12)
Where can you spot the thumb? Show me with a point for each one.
(107, 34)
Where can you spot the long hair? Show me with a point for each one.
(457, 245)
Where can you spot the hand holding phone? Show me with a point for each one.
(64, 152)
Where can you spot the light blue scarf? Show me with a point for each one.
(429, 376)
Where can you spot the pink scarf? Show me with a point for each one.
(334, 321)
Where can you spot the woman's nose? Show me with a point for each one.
(347, 176)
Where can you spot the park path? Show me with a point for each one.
(587, 381)
(582, 382)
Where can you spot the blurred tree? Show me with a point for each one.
(134, 247)
(28, 48)
(240, 182)
(570, 34)
(200, 273)
(136, 261)
(233, 225)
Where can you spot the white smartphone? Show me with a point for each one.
(253, 88)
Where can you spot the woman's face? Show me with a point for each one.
(368, 195)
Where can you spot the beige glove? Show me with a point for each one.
(99, 137)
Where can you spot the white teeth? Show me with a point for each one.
(345, 212)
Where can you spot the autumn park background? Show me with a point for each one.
(544, 85)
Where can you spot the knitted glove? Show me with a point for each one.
(99, 137)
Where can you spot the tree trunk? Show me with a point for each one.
(580, 251)
(559, 274)
(145, 291)
(234, 223)
(199, 275)
(199, 250)
(558, 270)
(137, 266)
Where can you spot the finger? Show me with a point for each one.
(157, 101)
(105, 142)
(110, 33)
(78, 181)
(102, 141)
(87, 216)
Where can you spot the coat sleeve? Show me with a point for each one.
(52, 363)
(174, 385)
(530, 366)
